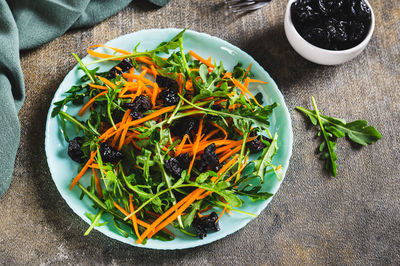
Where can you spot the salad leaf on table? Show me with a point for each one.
(330, 128)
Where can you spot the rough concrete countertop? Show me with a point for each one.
(313, 219)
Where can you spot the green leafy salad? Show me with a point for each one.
(166, 140)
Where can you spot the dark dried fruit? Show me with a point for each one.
(201, 166)
(166, 83)
(257, 145)
(124, 66)
(183, 126)
(183, 160)
(169, 97)
(74, 150)
(210, 157)
(136, 115)
(318, 37)
(204, 224)
(109, 154)
(175, 166)
(141, 104)
(216, 108)
(332, 24)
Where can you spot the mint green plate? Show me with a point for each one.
(63, 169)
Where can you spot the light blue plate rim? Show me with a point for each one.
(280, 122)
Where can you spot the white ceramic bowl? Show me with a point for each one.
(319, 55)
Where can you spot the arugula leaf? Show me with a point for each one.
(95, 221)
(358, 131)
(265, 160)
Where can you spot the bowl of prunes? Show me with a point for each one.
(329, 32)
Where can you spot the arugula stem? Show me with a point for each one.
(95, 221)
(132, 55)
(325, 135)
(74, 121)
(84, 67)
(235, 210)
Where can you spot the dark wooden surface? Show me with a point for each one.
(313, 219)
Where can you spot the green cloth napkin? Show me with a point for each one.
(26, 24)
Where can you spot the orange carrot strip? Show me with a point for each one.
(196, 145)
(141, 120)
(97, 86)
(212, 133)
(244, 89)
(198, 57)
(155, 94)
(101, 55)
(165, 215)
(97, 182)
(249, 67)
(229, 154)
(124, 212)
(223, 211)
(90, 102)
(83, 171)
(133, 217)
(112, 48)
(153, 69)
(123, 121)
(123, 135)
(107, 82)
(178, 212)
(137, 77)
(220, 128)
(180, 146)
(144, 59)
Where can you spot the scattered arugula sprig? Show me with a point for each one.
(331, 128)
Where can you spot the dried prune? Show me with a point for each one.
(176, 165)
(257, 145)
(183, 126)
(183, 160)
(318, 37)
(216, 108)
(211, 158)
(141, 104)
(332, 24)
(74, 150)
(136, 115)
(169, 97)
(201, 166)
(109, 154)
(124, 66)
(204, 224)
(330, 6)
(166, 83)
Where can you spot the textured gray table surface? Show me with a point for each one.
(313, 219)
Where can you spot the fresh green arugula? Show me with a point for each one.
(331, 128)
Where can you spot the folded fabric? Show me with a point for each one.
(26, 24)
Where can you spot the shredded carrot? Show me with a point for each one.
(245, 90)
(177, 213)
(101, 55)
(123, 135)
(220, 128)
(180, 146)
(140, 222)
(83, 171)
(107, 82)
(198, 57)
(155, 94)
(165, 215)
(112, 48)
(223, 211)
(90, 102)
(97, 182)
(196, 145)
(144, 59)
(123, 121)
(249, 67)
(153, 69)
(229, 154)
(97, 86)
(137, 77)
(133, 217)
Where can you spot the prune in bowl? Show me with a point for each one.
(329, 32)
